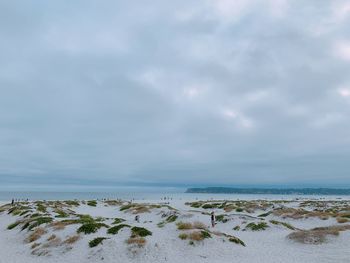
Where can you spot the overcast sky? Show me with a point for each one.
(174, 93)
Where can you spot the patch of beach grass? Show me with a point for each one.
(92, 203)
(183, 236)
(115, 229)
(118, 221)
(96, 241)
(13, 225)
(342, 220)
(257, 227)
(71, 240)
(89, 228)
(289, 226)
(140, 231)
(36, 234)
(236, 240)
(139, 241)
(317, 235)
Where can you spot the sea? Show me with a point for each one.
(152, 196)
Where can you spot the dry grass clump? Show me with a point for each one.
(53, 242)
(188, 225)
(35, 245)
(342, 220)
(196, 236)
(199, 225)
(58, 225)
(301, 213)
(36, 234)
(53, 236)
(113, 202)
(71, 240)
(317, 235)
(184, 226)
(139, 241)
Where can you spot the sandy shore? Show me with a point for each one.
(263, 227)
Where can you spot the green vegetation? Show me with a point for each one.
(13, 225)
(257, 227)
(72, 202)
(265, 214)
(92, 203)
(126, 207)
(196, 204)
(236, 228)
(183, 236)
(89, 228)
(221, 218)
(239, 209)
(236, 240)
(39, 221)
(171, 218)
(61, 213)
(95, 242)
(115, 229)
(118, 221)
(205, 234)
(140, 231)
(289, 226)
(41, 208)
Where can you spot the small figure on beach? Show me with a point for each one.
(137, 219)
(13, 201)
(212, 219)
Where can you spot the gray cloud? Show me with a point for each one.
(183, 93)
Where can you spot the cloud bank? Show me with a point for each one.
(111, 93)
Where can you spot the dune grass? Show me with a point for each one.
(257, 227)
(91, 227)
(96, 241)
(140, 231)
(115, 229)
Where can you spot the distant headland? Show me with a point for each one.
(281, 191)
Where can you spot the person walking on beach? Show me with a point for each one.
(13, 201)
(212, 219)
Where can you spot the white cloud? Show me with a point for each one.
(342, 50)
(344, 92)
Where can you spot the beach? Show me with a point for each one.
(254, 230)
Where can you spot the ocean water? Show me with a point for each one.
(153, 196)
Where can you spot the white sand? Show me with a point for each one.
(269, 246)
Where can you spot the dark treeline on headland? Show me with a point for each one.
(281, 191)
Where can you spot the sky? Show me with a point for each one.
(174, 93)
